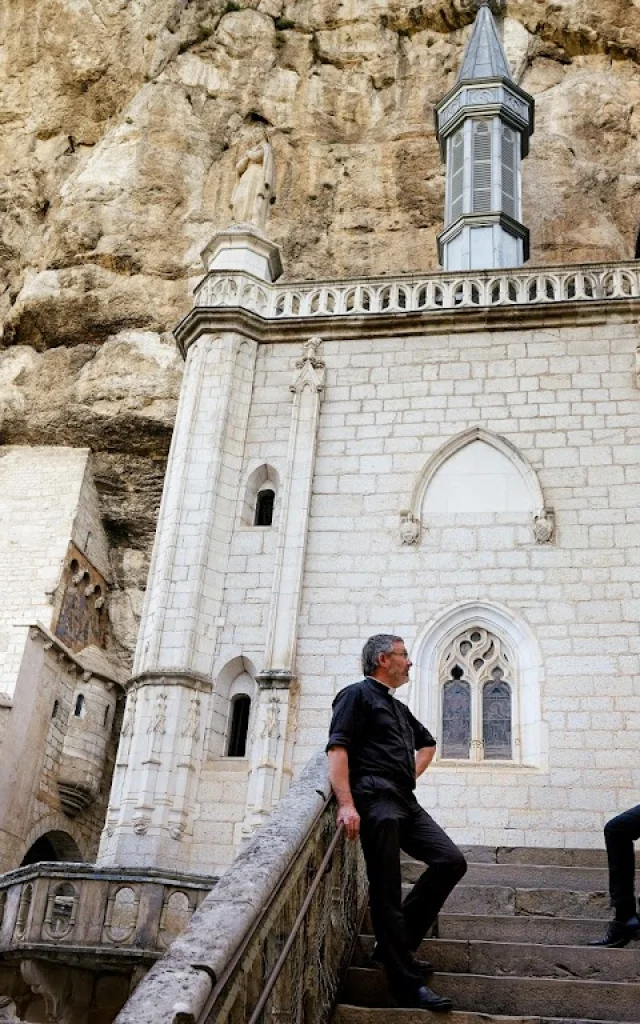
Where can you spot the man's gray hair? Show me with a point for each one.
(376, 645)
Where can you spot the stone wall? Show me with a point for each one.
(565, 402)
(47, 499)
(41, 721)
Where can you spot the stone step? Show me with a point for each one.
(588, 1000)
(556, 931)
(527, 876)
(561, 857)
(524, 959)
(506, 899)
(346, 1014)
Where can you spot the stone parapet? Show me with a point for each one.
(80, 913)
(428, 293)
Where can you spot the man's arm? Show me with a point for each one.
(339, 778)
(424, 757)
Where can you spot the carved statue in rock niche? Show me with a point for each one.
(253, 191)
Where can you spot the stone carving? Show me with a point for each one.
(253, 191)
(271, 725)
(543, 526)
(409, 527)
(140, 825)
(8, 1011)
(309, 368)
(192, 725)
(127, 727)
(157, 725)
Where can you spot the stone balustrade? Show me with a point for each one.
(129, 915)
(533, 286)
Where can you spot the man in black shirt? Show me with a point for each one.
(377, 749)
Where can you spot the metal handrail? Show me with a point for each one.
(297, 924)
(239, 953)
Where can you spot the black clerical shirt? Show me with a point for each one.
(378, 732)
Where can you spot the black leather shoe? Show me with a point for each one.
(619, 934)
(421, 966)
(424, 999)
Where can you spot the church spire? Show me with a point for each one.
(484, 56)
(483, 127)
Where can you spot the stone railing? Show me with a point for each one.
(217, 970)
(415, 294)
(53, 908)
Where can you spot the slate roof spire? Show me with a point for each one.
(484, 56)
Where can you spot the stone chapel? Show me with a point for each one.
(452, 456)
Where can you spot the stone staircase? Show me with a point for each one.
(510, 947)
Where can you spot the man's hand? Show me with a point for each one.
(349, 817)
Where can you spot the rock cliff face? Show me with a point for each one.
(121, 124)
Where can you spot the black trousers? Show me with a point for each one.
(392, 820)
(619, 834)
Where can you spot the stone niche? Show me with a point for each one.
(81, 619)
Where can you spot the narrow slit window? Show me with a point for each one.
(79, 709)
(264, 508)
(240, 710)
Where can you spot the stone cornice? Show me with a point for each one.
(451, 321)
(427, 304)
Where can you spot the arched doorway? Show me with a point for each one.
(56, 846)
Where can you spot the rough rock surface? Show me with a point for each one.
(121, 124)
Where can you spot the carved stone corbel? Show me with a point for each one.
(544, 523)
(66, 991)
(409, 527)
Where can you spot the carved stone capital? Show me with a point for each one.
(276, 679)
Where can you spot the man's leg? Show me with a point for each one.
(619, 834)
(380, 838)
(423, 839)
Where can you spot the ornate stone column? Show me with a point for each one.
(161, 749)
(277, 703)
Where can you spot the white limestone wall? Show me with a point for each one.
(565, 399)
(47, 499)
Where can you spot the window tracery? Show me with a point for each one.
(476, 685)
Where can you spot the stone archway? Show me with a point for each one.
(52, 846)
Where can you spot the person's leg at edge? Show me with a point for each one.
(619, 834)
(423, 839)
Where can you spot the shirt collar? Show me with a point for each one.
(379, 685)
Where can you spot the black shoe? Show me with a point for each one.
(424, 999)
(619, 934)
(421, 966)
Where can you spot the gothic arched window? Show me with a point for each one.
(476, 681)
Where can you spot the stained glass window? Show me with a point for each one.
(456, 719)
(476, 681)
(496, 718)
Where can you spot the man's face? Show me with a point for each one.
(396, 664)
